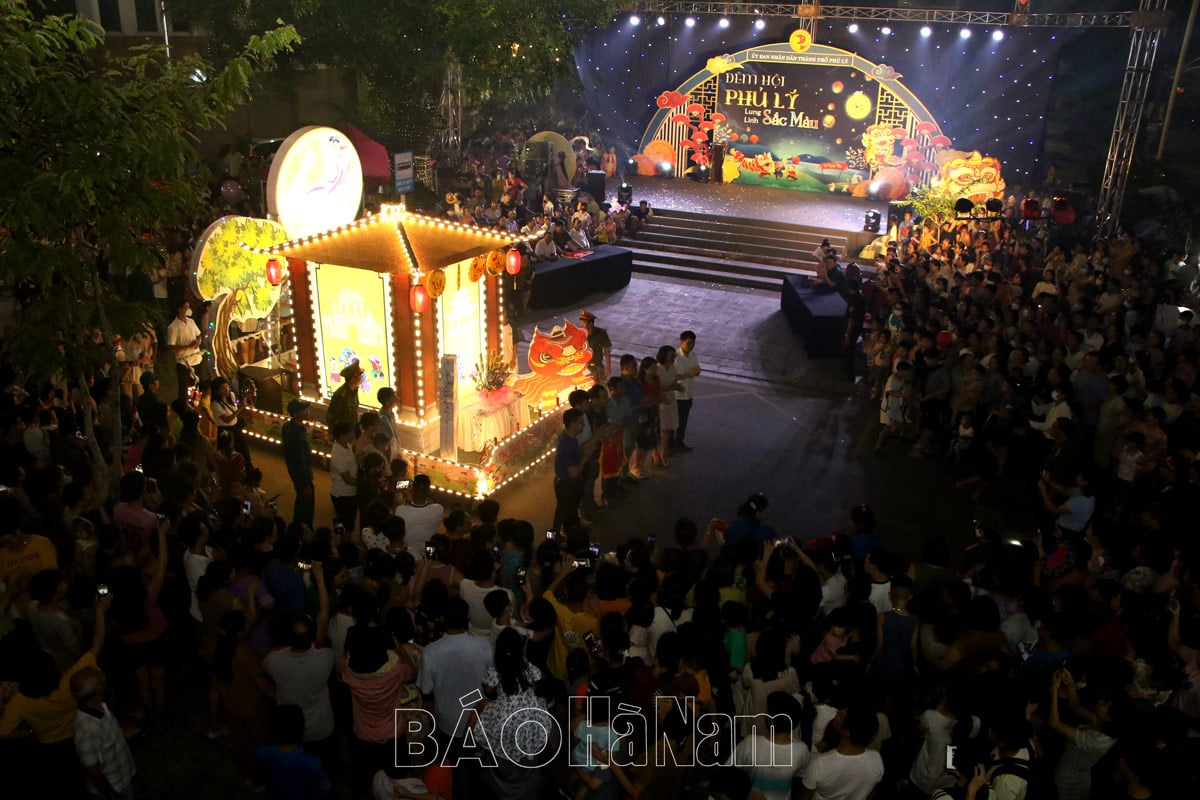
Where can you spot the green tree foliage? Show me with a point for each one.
(931, 202)
(97, 159)
(510, 50)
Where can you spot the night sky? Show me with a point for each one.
(987, 94)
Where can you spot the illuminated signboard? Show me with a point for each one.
(354, 323)
(316, 181)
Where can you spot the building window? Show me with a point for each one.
(60, 8)
(147, 15)
(110, 15)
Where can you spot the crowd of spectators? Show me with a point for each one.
(1054, 661)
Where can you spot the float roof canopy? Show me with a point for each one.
(395, 240)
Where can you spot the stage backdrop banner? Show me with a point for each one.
(353, 324)
(798, 115)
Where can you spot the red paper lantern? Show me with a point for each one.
(513, 261)
(274, 272)
(418, 299)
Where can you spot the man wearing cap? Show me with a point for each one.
(298, 457)
(343, 406)
(600, 344)
(150, 407)
(183, 340)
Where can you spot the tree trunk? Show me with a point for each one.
(113, 468)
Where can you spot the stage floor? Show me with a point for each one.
(836, 212)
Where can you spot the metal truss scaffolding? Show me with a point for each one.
(1146, 24)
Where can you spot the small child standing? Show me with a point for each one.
(734, 616)
(879, 358)
(592, 731)
(837, 635)
(1129, 457)
(964, 437)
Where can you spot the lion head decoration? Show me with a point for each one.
(974, 176)
(563, 352)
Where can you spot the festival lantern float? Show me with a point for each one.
(417, 301)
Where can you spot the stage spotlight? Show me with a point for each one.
(625, 194)
(885, 30)
(997, 36)
(963, 206)
(853, 27)
(723, 22)
(661, 21)
(872, 221)
(965, 33)
(994, 205)
(634, 19)
(926, 32)
(690, 22)
(664, 169)
(759, 24)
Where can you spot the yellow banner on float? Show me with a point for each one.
(354, 323)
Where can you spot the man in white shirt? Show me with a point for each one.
(421, 517)
(343, 475)
(452, 670)
(183, 340)
(850, 770)
(546, 249)
(687, 367)
(301, 674)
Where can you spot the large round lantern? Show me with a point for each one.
(274, 272)
(512, 261)
(418, 299)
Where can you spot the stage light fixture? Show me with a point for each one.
(926, 32)
(963, 206)
(853, 27)
(872, 221)
(664, 169)
(661, 21)
(885, 30)
(723, 22)
(997, 36)
(625, 194)
(690, 22)
(965, 33)
(634, 19)
(759, 24)
(994, 205)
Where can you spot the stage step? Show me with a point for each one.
(739, 252)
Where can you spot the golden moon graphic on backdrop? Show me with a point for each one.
(858, 106)
(800, 40)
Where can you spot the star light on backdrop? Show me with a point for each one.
(986, 94)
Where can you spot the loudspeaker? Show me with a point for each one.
(595, 184)
(269, 386)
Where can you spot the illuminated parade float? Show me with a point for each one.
(417, 301)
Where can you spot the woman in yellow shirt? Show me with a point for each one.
(46, 708)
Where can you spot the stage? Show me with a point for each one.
(569, 280)
(833, 212)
